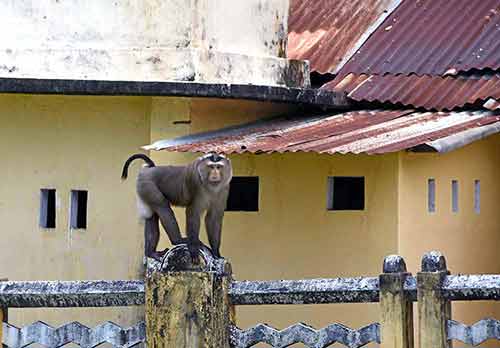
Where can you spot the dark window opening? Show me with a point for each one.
(346, 193)
(48, 208)
(78, 209)
(243, 194)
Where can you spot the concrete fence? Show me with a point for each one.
(193, 306)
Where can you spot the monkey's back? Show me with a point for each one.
(173, 182)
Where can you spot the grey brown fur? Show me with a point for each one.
(201, 186)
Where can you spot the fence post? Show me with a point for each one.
(433, 309)
(395, 305)
(188, 306)
(4, 312)
(3, 319)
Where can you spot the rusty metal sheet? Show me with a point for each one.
(328, 32)
(429, 92)
(368, 131)
(492, 104)
(432, 37)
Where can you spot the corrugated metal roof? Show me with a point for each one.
(375, 131)
(328, 32)
(429, 92)
(432, 37)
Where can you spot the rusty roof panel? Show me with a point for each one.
(492, 104)
(432, 37)
(374, 131)
(429, 92)
(328, 32)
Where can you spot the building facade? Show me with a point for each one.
(299, 221)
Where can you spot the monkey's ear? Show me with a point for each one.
(198, 169)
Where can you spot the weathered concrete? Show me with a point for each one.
(98, 293)
(279, 94)
(187, 307)
(171, 40)
(334, 290)
(301, 333)
(472, 287)
(3, 320)
(433, 309)
(474, 334)
(396, 311)
(48, 336)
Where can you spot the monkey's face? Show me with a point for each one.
(215, 170)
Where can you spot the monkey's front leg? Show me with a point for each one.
(193, 214)
(213, 225)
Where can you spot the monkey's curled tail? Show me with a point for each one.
(141, 156)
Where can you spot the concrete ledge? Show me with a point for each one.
(308, 96)
(153, 64)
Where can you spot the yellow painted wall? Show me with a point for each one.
(293, 200)
(293, 235)
(81, 142)
(70, 143)
(469, 241)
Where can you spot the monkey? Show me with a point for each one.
(201, 186)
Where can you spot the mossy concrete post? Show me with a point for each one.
(433, 309)
(396, 309)
(4, 312)
(2, 320)
(187, 306)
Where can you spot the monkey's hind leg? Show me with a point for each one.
(169, 223)
(152, 237)
(160, 206)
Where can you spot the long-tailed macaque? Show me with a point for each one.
(200, 186)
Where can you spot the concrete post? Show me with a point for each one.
(3, 317)
(433, 309)
(395, 305)
(187, 306)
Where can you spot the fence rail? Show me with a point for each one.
(472, 287)
(200, 307)
(97, 293)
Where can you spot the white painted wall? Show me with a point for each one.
(183, 40)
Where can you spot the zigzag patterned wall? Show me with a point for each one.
(74, 332)
(474, 334)
(301, 333)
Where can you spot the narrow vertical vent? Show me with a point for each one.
(477, 196)
(431, 195)
(454, 196)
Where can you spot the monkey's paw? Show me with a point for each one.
(158, 255)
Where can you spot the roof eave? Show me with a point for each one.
(280, 94)
(458, 140)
